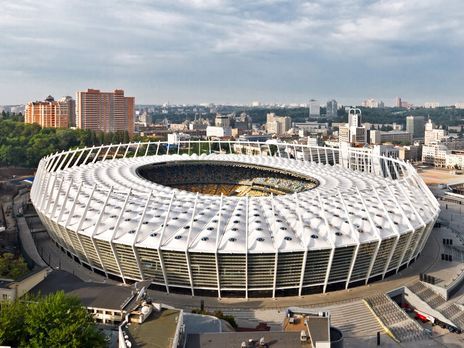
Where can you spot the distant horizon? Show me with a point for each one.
(248, 103)
(233, 52)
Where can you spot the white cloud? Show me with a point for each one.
(163, 39)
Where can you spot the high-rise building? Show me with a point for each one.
(354, 118)
(105, 111)
(51, 113)
(332, 108)
(398, 102)
(416, 126)
(353, 131)
(314, 108)
(372, 103)
(277, 124)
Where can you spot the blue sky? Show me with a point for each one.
(234, 51)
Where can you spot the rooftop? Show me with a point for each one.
(235, 339)
(96, 295)
(157, 331)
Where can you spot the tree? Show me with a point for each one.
(56, 320)
(11, 322)
(12, 267)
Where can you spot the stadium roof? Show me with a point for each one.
(347, 208)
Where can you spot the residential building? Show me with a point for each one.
(277, 124)
(358, 135)
(314, 108)
(431, 105)
(459, 105)
(199, 124)
(416, 126)
(51, 113)
(222, 121)
(372, 103)
(242, 122)
(105, 111)
(344, 134)
(431, 134)
(332, 109)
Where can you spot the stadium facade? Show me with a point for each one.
(317, 220)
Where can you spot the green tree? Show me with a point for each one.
(56, 320)
(11, 322)
(11, 266)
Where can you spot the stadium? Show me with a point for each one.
(240, 219)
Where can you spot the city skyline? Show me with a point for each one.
(225, 52)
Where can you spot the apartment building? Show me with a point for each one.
(51, 113)
(105, 111)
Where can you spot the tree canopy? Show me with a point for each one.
(11, 266)
(25, 144)
(56, 320)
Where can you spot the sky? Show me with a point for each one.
(232, 51)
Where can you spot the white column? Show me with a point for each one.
(187, 245)
(161, 243)
(218, 240)
(355, 235)
(331, 240)
(114, 235)
(137, 232)
(246, 245)
(79, 157)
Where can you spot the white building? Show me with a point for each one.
(354, 117)
(174, 138)
(434, 154)
(431, 105)
(372, 103)
(459, 105)
(277, 124)
(433, 135)
(218, 132)
(379, 137)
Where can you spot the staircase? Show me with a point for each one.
(449, 310)
(402, 327)
(354, 319)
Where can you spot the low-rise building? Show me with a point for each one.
(11, 290)
(412, 153)
(434, 154)
(218, 132)
(174, 138)
(395, 137)
(108, 304)
(455, 159)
